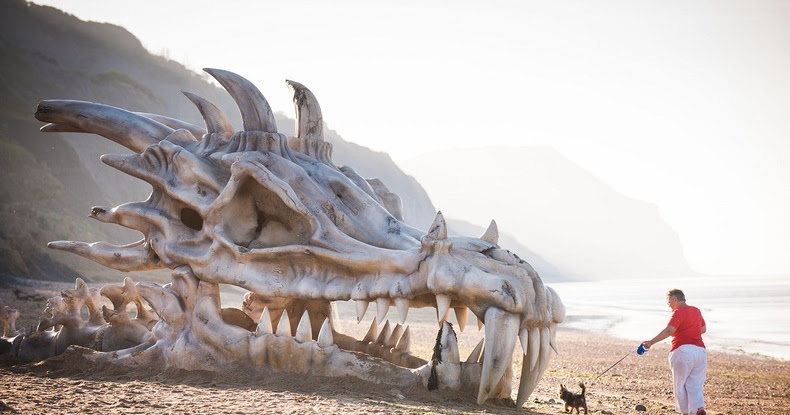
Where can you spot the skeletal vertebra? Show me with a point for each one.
(275, 216)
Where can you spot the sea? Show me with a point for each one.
(744, 314)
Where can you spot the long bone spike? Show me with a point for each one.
(215, 119)
(255, 110)
(534, 348)
(176, 124)
(126, 128)
(136, 215)
(501, 333)
(132, 257)
(309, 122)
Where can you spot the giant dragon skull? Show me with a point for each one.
(273, 215)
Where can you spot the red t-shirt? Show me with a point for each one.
(688, 323)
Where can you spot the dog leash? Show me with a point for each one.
(610, 367)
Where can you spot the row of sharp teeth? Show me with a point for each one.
(304, 331)
(402, 304)
(397, 337)
(499, 338)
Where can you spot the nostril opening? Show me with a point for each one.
(191, 219)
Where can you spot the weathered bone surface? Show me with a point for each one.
(273, 215)
(62, 324)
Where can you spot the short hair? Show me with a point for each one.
(677, 294)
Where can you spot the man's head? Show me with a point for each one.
(675, 298)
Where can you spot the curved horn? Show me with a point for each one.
(128, 129)
(176, 124)
(255, 110)
(309, 123)
(216, 121)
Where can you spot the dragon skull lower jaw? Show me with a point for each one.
(203, 339)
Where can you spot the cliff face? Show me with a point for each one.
(51, 181)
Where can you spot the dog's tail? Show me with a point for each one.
(583, 388)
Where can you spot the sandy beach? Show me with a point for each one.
(737, 383)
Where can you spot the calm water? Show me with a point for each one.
(743, 314)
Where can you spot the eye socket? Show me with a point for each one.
(191, 219)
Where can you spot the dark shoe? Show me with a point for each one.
(701, 411)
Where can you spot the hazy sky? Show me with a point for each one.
(685, 104)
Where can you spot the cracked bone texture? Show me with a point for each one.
(273, 215)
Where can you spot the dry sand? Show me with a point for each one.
(737, 384)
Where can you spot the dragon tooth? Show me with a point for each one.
(284, 326)
(534, 346)
(304, 332)
(325, 338)
(523, 337)
(385, 332)
(362, 307)
(474, 357)
(265, 323)
(449, 343)
(501, 333)
(382, 306)
(442, 307)
(403, 308)
(370, 337)
(553, 338)
(530, 377)
(404, 344)
(392, 339)
(461, 315)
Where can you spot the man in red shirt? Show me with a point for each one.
(687, 357)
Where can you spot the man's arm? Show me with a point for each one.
(668, 330)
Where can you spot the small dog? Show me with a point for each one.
(573, 400)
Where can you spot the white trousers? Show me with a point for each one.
(688, 363)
